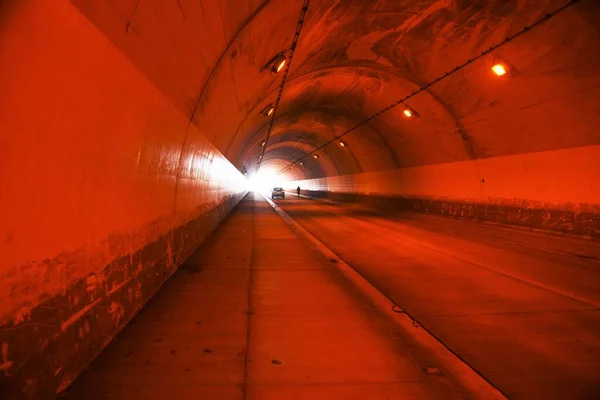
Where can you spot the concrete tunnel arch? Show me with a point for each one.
(125, 126)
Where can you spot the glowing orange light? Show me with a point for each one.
(268, 110)
(499, 69)
(263, 143)
(301, 163)
(408, 113)
(315, 156)
(281, 64)
(342, 144)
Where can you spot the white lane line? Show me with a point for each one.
(507, 274)
(452, 366)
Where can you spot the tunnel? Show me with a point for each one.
(439, 235)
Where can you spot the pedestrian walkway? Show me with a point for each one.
(256, 313)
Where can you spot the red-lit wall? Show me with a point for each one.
(555, 190)
(105, 189)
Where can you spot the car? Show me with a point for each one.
(277, 192)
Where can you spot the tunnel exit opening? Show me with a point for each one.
(266, 179)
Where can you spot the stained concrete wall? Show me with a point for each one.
(106, 188)
(553, 190)
(519, 149)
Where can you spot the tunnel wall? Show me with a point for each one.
(105, 189)
(551, 190)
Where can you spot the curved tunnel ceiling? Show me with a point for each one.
(355, 58)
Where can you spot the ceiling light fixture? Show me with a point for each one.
(280, 65)
(315, 156)
(268, 110)
(262, 144)
(342, 143)
(409, 112)
(499, 69)
(277, 63)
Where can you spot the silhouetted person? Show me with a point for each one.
(298, 191)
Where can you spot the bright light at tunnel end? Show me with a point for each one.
(265, 180)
